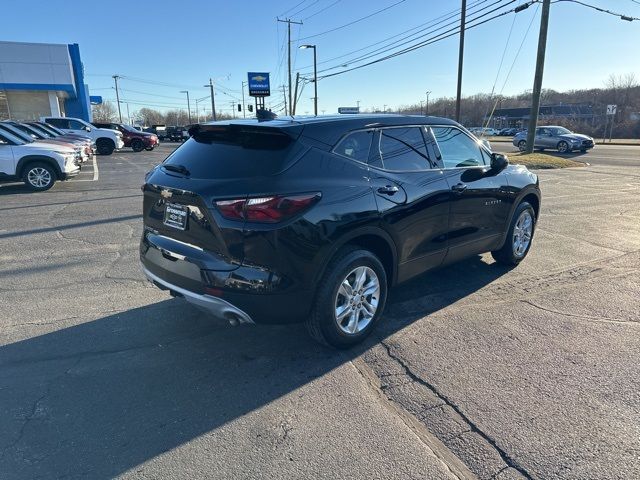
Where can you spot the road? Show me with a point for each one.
(610, 155)
(478, 370)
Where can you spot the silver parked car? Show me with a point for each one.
(557, 138)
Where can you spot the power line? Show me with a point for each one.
(320, 11)
(427, 26)
(150, 94)
(295, 14)
(513, 63)
(427, 41)
(424, 43)
(628, 18)
(292, 8)
(429, 32)
(354, 21)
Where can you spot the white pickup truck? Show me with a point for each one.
(38, 165)
(106, 140)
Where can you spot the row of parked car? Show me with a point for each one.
(40, 153)
(173, 133)
(494, 132)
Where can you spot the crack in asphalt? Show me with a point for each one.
(506, 458)
(35, 409)
(584, 317)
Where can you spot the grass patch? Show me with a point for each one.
(542, 160)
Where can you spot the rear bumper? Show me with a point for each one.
(257, 292)
(215, 306)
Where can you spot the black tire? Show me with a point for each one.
(506, 255)
(563, 147)
(148, 149)
(39, 176)
(137, 145)
(322, 324)
(105, 146)
(522, 145)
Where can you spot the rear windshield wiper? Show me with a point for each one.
(177, 168)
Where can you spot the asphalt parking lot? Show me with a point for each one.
(479, 371)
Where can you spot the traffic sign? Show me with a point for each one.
(612, 109)
(348, 109)
(259, 84)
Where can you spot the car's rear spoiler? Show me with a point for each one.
(211, 131)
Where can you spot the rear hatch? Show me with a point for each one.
(219, 162)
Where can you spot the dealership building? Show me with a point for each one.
(42, 79)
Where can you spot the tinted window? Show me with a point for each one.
(457, 149)
(16, 132)
(47, 128)
(355, 146)
(7, 137)
(58, 122)
(232, 152)
(403, 149)
(75, 125)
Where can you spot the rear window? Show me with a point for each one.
(227, 152)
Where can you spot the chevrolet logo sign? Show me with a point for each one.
(165, 193)
(259, 78)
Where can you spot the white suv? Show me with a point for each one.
(106, 140)
(38, 165)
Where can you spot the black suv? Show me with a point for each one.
(315, 219)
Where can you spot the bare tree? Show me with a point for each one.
(104, 112)
(150, 116)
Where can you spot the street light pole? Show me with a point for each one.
(244, 111)
(315, 78)
(188, 105)
(428, 93)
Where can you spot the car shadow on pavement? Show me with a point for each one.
(102, 397)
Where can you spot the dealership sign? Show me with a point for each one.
(348, 110)
(259, 84)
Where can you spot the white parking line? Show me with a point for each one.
(96, 173)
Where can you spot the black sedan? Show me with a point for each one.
(315, 219)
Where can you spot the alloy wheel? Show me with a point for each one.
(39, 177)
(357, 300)
(522, 233)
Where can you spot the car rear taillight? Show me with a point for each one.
(270, 209)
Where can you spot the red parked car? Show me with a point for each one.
(131, 137)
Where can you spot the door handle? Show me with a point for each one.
(459, 188)
(388, 189)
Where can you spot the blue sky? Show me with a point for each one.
(182, 44)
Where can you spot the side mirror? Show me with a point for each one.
(88, 129)
(499, 162)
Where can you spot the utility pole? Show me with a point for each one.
(463, 14)
(284, 94)
(213, 100)
(128, 114)
(428, 93)
(289, 22)
(295, 95)
(115, 79)
(537, 80)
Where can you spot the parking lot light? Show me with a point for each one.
(188, 105)
(315, 78)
